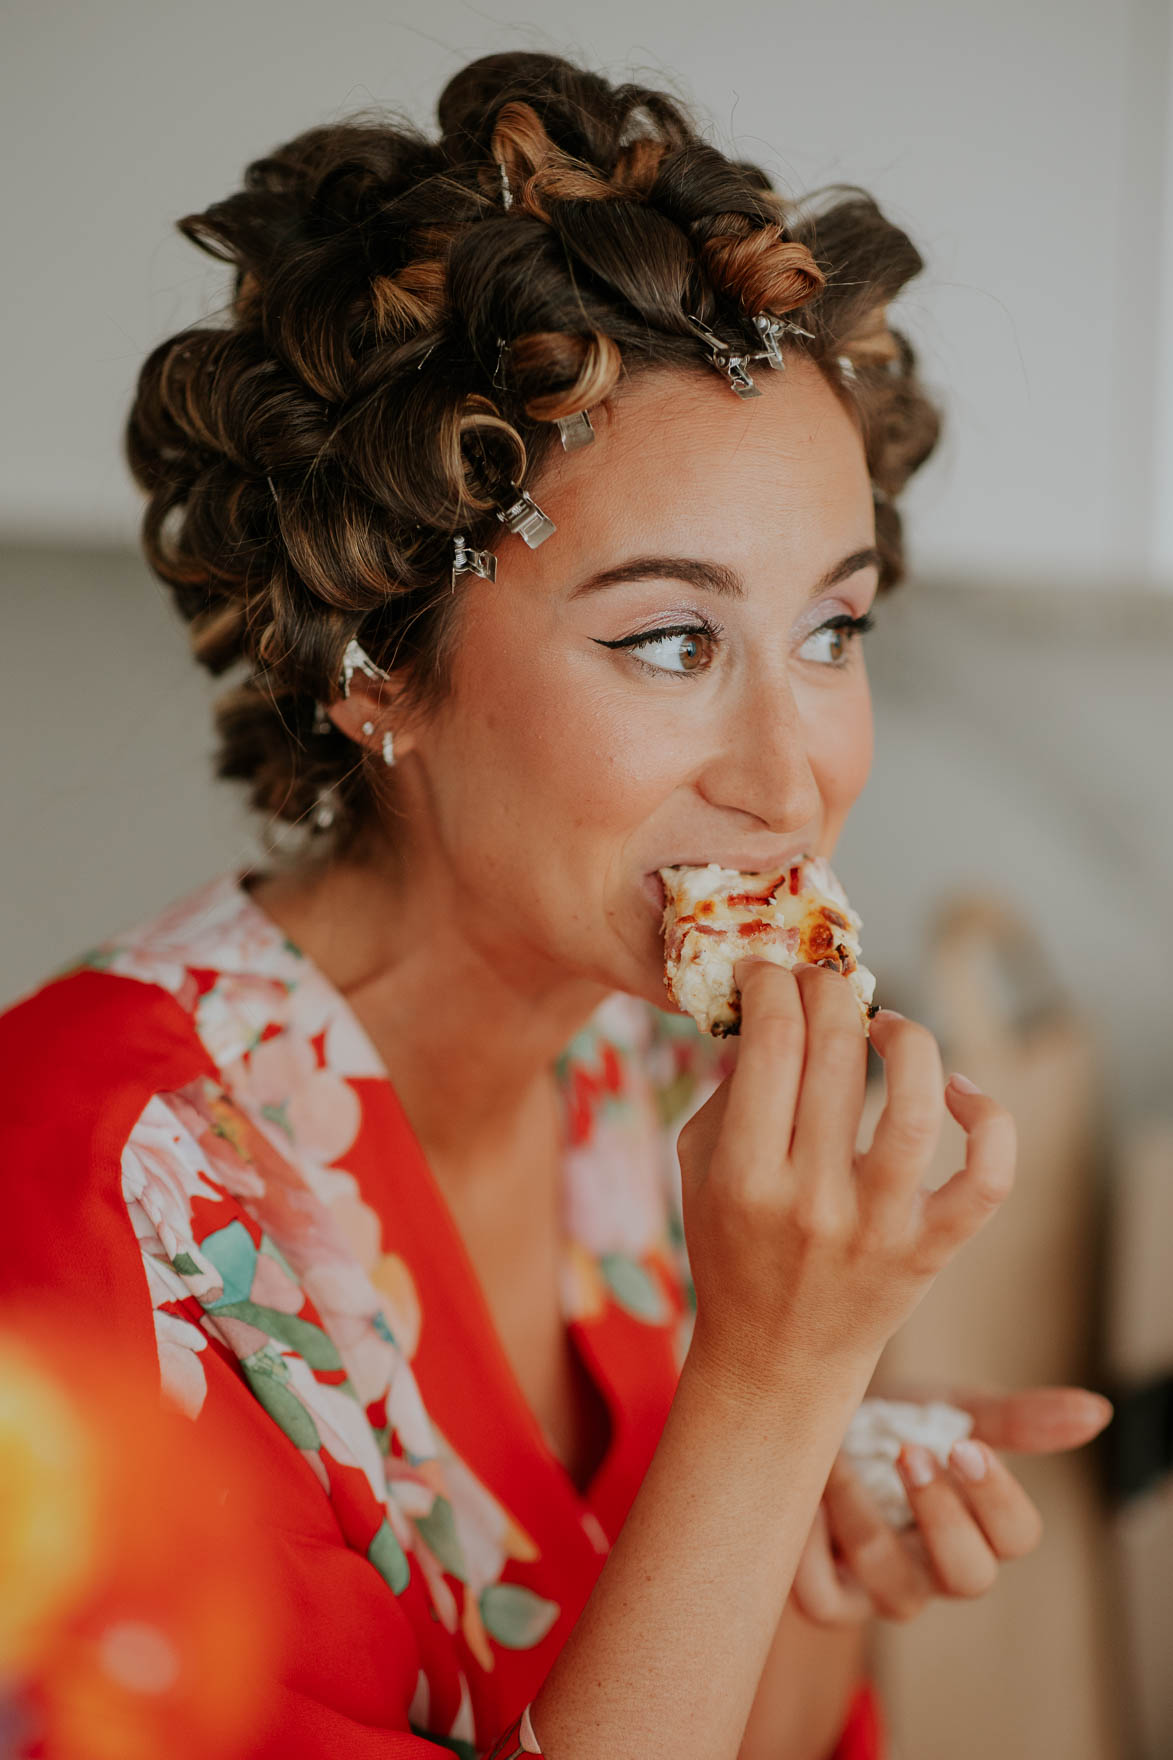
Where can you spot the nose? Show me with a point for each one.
(762, 764)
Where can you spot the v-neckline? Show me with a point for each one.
(484, 1334)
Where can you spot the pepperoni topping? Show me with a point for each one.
(794, 882)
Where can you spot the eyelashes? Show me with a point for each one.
(702, 630)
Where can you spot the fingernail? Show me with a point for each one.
(968, 1458)
(887, 1014)
(962, 1084)
(1099, 1407)
(918, 1465)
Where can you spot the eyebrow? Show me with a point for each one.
(711, 577)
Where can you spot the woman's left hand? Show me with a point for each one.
(856, 1566)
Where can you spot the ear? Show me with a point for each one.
(378, 706)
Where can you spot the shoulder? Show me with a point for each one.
(83, 1059)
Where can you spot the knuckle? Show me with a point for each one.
(903, 1608)
(872, 1556)
(841, 1041)
(819, 1215)
(975, 1579)
(778, 1030)
(913, 1126)
(994, 1184)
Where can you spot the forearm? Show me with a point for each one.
(669, 1651)
(805, 1689)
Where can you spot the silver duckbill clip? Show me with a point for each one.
(466, 561)
(526, 518)
(576, 430)
(728, 363)
(771, 331)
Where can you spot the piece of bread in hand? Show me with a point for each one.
(714, 916)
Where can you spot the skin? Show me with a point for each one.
(545, 790)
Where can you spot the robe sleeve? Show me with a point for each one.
(80, 1059)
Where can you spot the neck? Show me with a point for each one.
(469, 1028)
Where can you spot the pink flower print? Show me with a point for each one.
(163, 1169)
(180, 1371)
(232, 1015)
(408, 1417)
(272, 1287)
(612, 1196)
(241, 1337)
(358, 1225)
(400, 1302)
(315, 1109)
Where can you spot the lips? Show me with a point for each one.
(744, 864)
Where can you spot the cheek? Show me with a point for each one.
(841, 747)
(539, 749)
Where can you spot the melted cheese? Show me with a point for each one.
(792, 916)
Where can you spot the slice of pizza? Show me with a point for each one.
(792, 916)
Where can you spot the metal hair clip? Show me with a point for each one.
(356, 659)
(771, 331)
(506, 192)
(466, 561)
(727, 363)
(498, 381)
(526, 518)
(576, 430)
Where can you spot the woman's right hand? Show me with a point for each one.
(800, 1247)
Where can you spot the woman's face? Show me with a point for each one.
(658, 682)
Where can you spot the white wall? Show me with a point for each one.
(1021, 145)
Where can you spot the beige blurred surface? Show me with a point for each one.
(1036, 1667)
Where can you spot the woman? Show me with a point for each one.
(374, 1150)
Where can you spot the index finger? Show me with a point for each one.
(1036, 1420)
(763, 1089)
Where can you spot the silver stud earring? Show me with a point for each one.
(368, 727)
(324, 813)
(388, 747)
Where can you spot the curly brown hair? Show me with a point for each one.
(308, 464)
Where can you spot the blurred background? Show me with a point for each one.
(1012, 854)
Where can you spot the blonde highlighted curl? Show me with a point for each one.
(307, 464)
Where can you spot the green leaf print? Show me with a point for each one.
(438, 1530)
(283, 1407)
(633, 1287)
(302, 1336)
(184, 1263)
(232, 1252)
(516, 1617)
(276, 1114)
(389, 1558)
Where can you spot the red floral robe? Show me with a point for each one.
(204, 1152)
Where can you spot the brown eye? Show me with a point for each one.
(674, 650)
